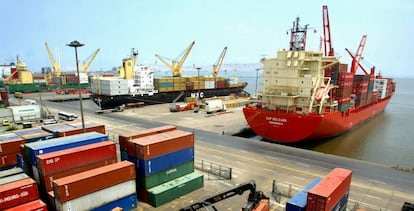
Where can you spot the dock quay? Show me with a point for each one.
(279, 171)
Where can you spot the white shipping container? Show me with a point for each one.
(209, 84)
(98, 198)
(25, 112)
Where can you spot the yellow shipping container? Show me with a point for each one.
(25, 77)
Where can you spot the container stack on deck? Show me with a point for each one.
(164, 163)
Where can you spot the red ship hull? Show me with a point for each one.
(283, 127)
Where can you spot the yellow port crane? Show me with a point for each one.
(55, 65)
(217, 65)
(177, 64)
(85, 65)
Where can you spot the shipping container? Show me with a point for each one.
(263, 205)
(69, 158)
(158, 178)
(157, 164)
(56, 144)
(328, 192)
(8, 161)
(18, 192)
(174, 189)
(124, 139)
(298, 201)
(36, 205)
(13, 178)
(125, 203)
(77, 185)
(46, 181)
(159, 144)
(97, 198)
(25, 112)
(10, 172)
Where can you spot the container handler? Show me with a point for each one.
(256, 201)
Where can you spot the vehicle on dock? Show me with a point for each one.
(213, 106)
(120, 108)
(67, 116)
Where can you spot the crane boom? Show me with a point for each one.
(328, 50)
(55, 65)
(175, 66)
(358, 56)
(217, 65)
(85, 66)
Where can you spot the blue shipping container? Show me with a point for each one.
(56, 144)
(29, 131)
(157, 164)
(126, 203)
(8, 136)
(298, 201)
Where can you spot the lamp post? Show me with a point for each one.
(75, 44)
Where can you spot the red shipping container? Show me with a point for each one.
(326, 194)
(46, 181)
(37, 205)
(8, 160)
(263, 205)
(73, 157)
(123, 139)
(19, 192)
(343, 67)
(76, 185)
(159, 144)
(9, 146)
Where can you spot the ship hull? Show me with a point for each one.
(282, 127)
(110, 102)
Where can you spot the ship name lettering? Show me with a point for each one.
(276, 119)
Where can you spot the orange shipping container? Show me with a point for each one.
(123, 139)
(77, 185)
(159, 144)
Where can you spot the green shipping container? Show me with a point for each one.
(174, 189)
(152, 180)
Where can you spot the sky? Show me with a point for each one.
(250, 29)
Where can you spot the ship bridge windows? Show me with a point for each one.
(296, 54)
(288, 63)
(289, 54)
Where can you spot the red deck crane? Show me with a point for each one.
(328, 50)
(358, 56)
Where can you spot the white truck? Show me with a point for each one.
(215, 106)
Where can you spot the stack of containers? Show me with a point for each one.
(18, 191)
(31, 150)
(55, 165)
(164, 162)
(61, 130)
(332, 192)
(34, 134)
(298, 201)
(360, 89)
(9, 147)
(101, 188)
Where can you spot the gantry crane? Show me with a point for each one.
(85, 65)
(358, 56)
(328, 49)
(177, 64)
(55, 65)
(217, 65)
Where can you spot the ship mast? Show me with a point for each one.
(298, 36)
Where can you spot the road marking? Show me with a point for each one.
(374, 197)
(268, 170)
(377, 181)
(271, 157)
(297, 177)
(302, 164)
(244, 151)
(218, 157)
(220, 146)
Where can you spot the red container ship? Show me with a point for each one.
(310, 95)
